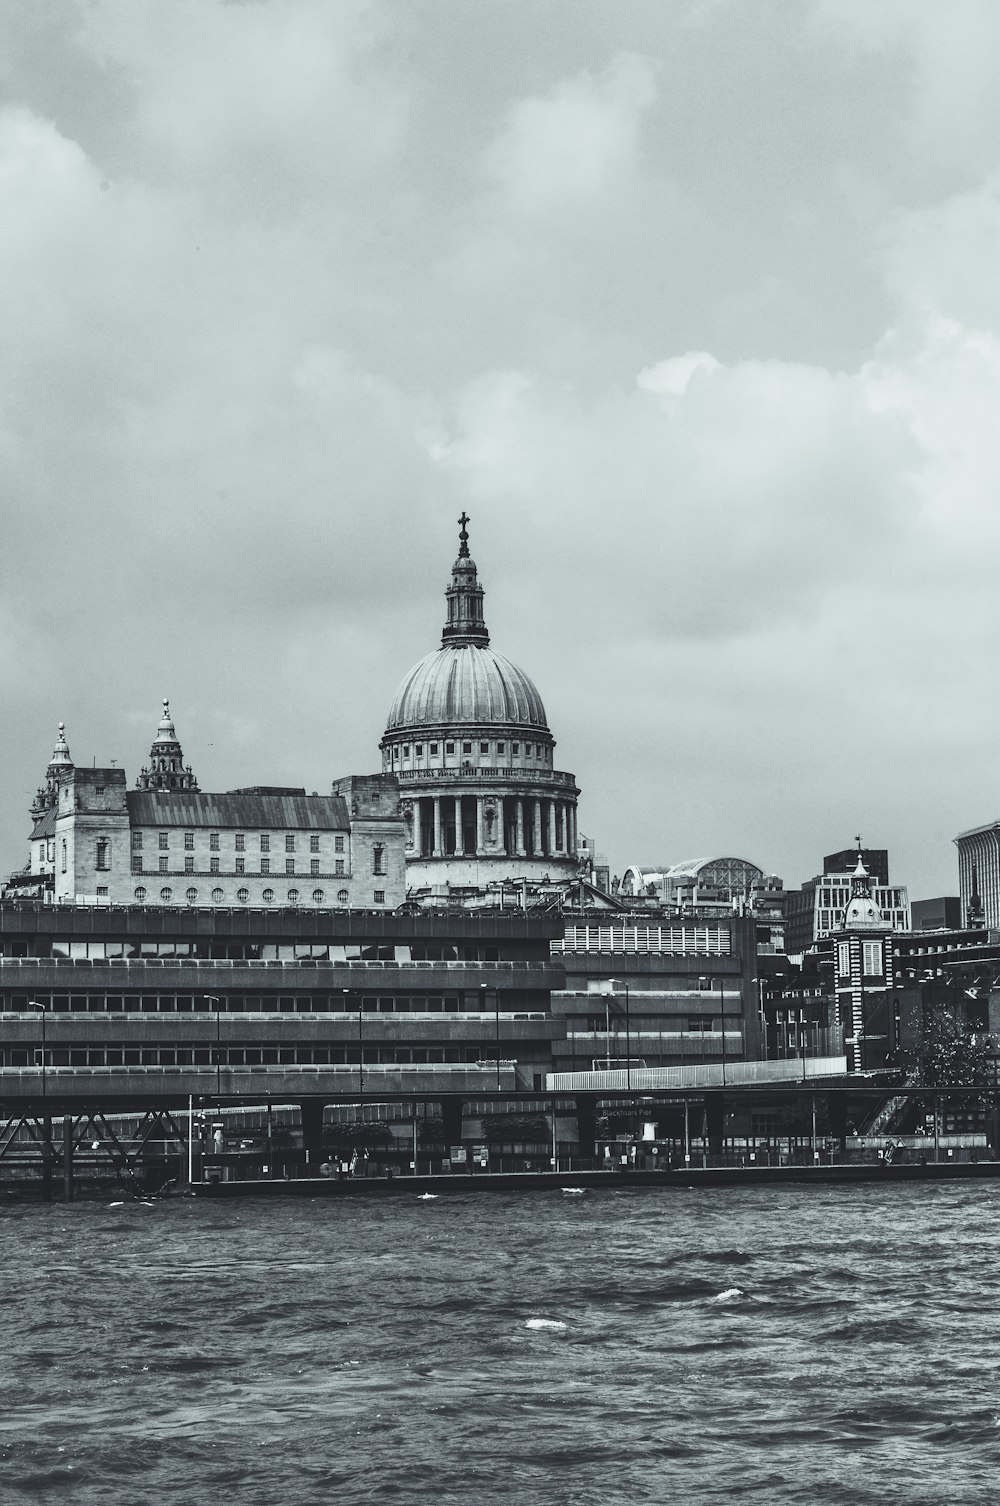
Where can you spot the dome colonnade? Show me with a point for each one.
(468, 740)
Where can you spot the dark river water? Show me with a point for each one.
(796, 1344)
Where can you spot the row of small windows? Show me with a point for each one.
(218, 896)
(233, 1056)
(164, 865)
(531, 750)
(239, 843)
(253, 951)
(342, 1002)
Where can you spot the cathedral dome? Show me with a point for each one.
(466, 684)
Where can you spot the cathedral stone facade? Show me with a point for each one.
(468, 742)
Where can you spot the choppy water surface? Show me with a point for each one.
(796, 1344)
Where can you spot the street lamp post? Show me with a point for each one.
(613, 988)
(496, 1004)
(361, 1041)
(34, 1004)
(211, 999)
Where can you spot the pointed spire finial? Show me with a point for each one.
(465, 623)
(463, 536)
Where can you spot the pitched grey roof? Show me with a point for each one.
(193, 809)
(46, 824)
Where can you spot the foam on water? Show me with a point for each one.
(268, 1350)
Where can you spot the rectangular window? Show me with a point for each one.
(501, 747)
(213, 865)
(484, 747)
(213, 841)
(844, 959)
(314, 867)
(380, 896)
(515, 747)
(189, 841)
(449, 747)
(241, 841)
(289, 842)
(101, 889)
(338, 844)
(241, 865)
(265, 843)
(136, 841)
(338, 867)
(873, 959)
(189, 865)
(137, 862)
(378, 858)
(314, 844)
(419, 750)
(289, 865)
(103, 855)
(164, 865)
(265, 865)
(163, 841)
(466, 747)
(434, 748)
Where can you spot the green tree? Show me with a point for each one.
(950, 1056)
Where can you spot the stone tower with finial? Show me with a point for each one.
(166, 769)
(863, 968)
(60, 768)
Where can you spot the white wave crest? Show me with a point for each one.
(544, 1323)
(731, 1294)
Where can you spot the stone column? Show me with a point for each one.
(537, 828)
(438, 846)
(418, 833)
(519, 818)
(459, 837)
(552, 828)
(571, 828)
(480, 825)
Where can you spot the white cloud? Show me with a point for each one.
(574, 144)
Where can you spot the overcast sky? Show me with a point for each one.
(694, 306)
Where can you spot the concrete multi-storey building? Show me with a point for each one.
(468, 741)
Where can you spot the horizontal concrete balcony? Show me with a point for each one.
(85, 1028)
(59, 1085)
(207, 975)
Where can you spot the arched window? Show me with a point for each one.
(218, 895)
(378, 858)
(268, 896)
(342, 896)
(191, 895)
(103, 855)
(166, 894)
(293, 896)
(318, 896)
(140, 894)
(243, 895)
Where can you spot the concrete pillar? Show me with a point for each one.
(480, 825)
(552, 828)
(438, 845)
(459, 835)
(451, 1116)
(67, 1147)
(311, 1119)
(519, 818)
(537, 828)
